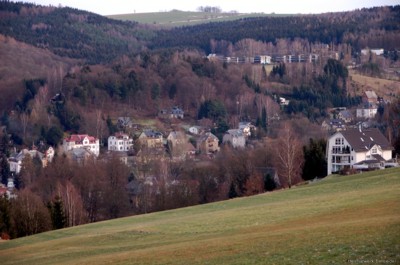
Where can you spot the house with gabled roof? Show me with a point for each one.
(346, 116)
(208, 143)
(78, 141)
(151, 139)
(369, 107)
(179, 145)
(172, 113)
(246, 128)
(370, 97)
(15, 160)
(234, 137)
(355, 148)
(120, 142)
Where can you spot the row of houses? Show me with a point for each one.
(266, 59)
(81, 146)
(342, 118)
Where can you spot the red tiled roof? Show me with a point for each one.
(78, 138)
(121, 135)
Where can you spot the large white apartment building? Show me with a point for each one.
(356, 148)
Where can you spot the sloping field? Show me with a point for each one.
(19, 61)
(339, 220)
(177, 18)
(388, 89)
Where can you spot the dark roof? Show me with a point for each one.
(379, 158)
(152, 134)
(208, 135)
(362, 140)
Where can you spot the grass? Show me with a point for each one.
(177, 18)
(388, 89)
(333, 221)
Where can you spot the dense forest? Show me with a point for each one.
(360, 28)
(71, 32)
(84, 35)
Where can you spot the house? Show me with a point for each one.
(176, 138)
(356, 148)
(179, 145)
(312, 58)
(333, 125)
(345, 115)
(151, 139)
(123, 156)
(366, 112)
(369, 106)
(245, 127)
(374, 51)
(78, 141)
(15, 161)
(208, 143)
(48, 156)
(235, 137)
(8, 190)
(80, 154)
(283, 101)
(196, 130)
(370, 98)
(173, 113)
(262, 59)
(125, 122)
(120, 142)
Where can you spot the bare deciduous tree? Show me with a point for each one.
(289, 156)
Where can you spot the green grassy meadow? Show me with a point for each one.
(338, 220)
(177, 18)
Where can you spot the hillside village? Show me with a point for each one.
(136, 145)
(148, 121)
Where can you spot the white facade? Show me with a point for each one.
(245, 127)
(76, 141)
(194, 130)
(367, 113)
(120, 142)
(347, 148)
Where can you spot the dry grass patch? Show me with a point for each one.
(388, 89)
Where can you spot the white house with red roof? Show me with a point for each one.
(120, 142)
(82, 141)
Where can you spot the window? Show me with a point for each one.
(337, 141)
(374, 150)
(336, 150)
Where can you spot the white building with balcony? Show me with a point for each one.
(120, 142)
(360, 149)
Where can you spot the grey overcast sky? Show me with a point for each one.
(104, 7)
